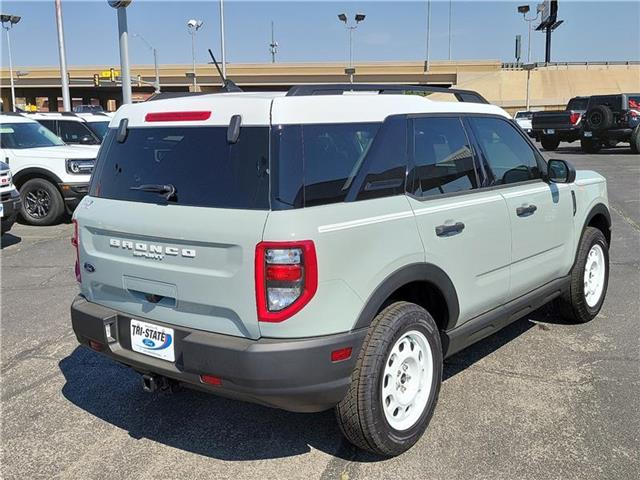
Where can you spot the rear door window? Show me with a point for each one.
(508, 157)
(442, 157)
(204, 169)
(74, 132)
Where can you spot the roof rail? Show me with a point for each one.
(336, 89)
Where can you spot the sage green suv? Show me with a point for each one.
(325, 248)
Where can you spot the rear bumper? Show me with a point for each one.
(563, 133)
(73, 193)
(623, 134)
(293, 374)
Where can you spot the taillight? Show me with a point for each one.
(574, 118)
(75, 240)
(286, 278)
(192, 116)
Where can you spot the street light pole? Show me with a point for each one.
(426, 63)
(223, 53)
(155, 60)
(193, 26)
(350, 28)
(8, 21)
(524, 9)
(450, 8)
(64, 73)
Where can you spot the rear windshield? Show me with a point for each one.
(204, 169)
(577, 104)
(524, 115)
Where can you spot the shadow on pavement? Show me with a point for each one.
(9, 240)
(215, 427)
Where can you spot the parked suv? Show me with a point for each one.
(10, 199)
(611, 119)
(51, 176)
(309, 251)
(72, 128)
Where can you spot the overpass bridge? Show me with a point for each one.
(551, 85)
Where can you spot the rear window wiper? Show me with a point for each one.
(167, 191)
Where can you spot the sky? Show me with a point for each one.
(309, 31)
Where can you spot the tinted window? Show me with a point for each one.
(442, 156)
(205, 170)
(577, 104)
(74, 132)
(50, 124)
(287, 167)
(27, 135)
(385, 167)
(99, 128)
(508, 157)
(332, 157)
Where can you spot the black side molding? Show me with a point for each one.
(489, 323)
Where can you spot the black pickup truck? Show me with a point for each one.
(552, 127)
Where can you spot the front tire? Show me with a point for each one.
(589, 279)
(42, 203)
(395, 384)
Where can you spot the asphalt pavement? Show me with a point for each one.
(539, 400)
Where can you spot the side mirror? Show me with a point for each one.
(560, 171)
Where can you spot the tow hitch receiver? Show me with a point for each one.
(153, 383)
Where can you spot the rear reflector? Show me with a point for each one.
(284, 273)
(210, 380)
(97, 346)
(177, 116)
(340, 355)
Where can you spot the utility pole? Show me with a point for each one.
(8, 21)
(123, 34)
(273, 46)
(426, 63)
(450, 8)
(64, 73)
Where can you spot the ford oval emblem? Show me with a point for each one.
(149, 343)
(89, 268)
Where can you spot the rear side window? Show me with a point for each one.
(577, 104)
(508, 158)
(204, 168)
(443, 160)
(74, 132)
(332, 157)
(50, 124)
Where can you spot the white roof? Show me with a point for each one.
(264, 108)
(15, 119)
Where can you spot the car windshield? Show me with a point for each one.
(99, 128)
(27, 135)
(524, 115)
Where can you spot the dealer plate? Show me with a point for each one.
(588, 134)
(152, 340)
(550, 131)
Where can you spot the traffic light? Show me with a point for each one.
(96, 80)
(139, 80)
(112, 74)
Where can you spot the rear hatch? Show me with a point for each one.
(170, 226)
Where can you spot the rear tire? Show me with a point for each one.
(42, 203)
(589, 279)
(635, 140)
(395, 384)
(550, 143)
(589, 146)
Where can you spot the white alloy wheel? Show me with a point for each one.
(407, 380)
(594, 275)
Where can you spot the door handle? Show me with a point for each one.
(448, 230)
(525, 211)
